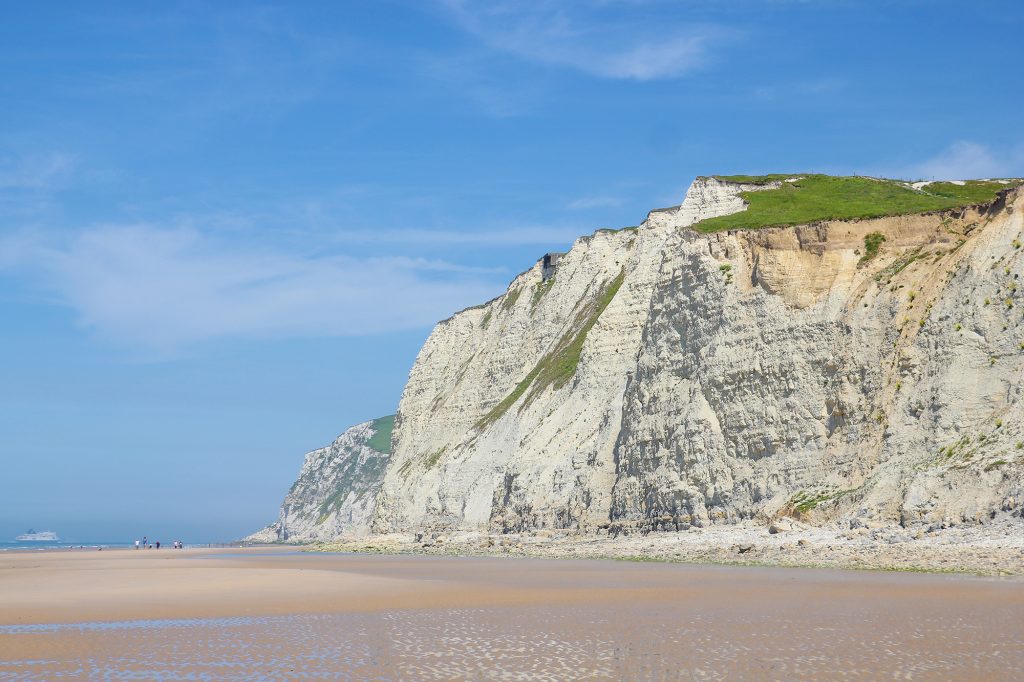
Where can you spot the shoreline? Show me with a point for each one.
(994, 550)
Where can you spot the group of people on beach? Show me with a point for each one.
(145, 544)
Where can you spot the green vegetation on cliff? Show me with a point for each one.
(758, 179)
(559, 365)
(812, 198)
(381, 439)
(562, 362)
(349, 473)
(872, 243)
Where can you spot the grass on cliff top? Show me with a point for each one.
(381, 439)
(824, 197)
(758, 179)
(559, 365)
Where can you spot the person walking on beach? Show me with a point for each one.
(158, 544)
(136, 544)
(145, 542)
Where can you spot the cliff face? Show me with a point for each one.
(665, 377)
(779, 374)
(662, 377)
(336, 488)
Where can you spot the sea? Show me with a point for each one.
(63, 544)
(99, 545)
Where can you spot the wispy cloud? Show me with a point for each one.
(585, 203)
(965, 159)
(788, 92)
(512, 235)
(35, 172)
(473, 77)
(562, 35)
(161, 289)
(256, 62)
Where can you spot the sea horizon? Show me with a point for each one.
(104, 544)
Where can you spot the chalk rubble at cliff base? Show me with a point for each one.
(996, 549)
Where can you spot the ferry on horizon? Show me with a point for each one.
(41, 536)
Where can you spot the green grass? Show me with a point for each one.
(957, 454)
(824, 197)
(539, 289)
(758, 179)
(872, 243)
(559, 365)
(566, 357)
(973, 192)
(330, 504)
(804, 501)
(433, 458)
(901, 263)
(510, 299)
(381, 439)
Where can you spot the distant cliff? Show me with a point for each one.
(336, 489)
(858, 357)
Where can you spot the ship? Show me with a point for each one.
(40, 536)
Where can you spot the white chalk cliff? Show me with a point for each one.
(336, 489)
(663, 377)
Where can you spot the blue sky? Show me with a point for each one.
(226, 228)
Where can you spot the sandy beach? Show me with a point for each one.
(277, 614)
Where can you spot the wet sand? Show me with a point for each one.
(259, 614)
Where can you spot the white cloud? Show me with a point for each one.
(161, 289)
(552, 33)
(965, 160)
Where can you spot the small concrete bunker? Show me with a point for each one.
(548, 265)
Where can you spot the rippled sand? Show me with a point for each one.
(254, 616)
